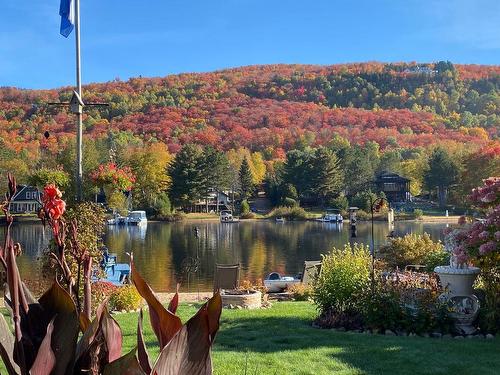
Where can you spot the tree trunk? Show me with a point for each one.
(442, 195)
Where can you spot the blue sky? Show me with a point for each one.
(127, 38)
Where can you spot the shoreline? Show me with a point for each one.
(424, 220)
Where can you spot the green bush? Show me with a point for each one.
(345, 276)
(382, 308)
(418, 213)
(289, 213)
(161, 208)
(289, 202)
(340, 203)
(412, 249)
(245, 207)
(409, 303)
(362, 200)
(125, 298)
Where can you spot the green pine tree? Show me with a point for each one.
(246, 182)
(186, 173)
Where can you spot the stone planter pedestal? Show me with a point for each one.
(459, 295)
(243, 299)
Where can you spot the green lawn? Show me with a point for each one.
(281, 340)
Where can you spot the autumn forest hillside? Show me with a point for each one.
(272, 107)
(269, 109)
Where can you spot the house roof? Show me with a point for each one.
(21, 188)
(391, 177)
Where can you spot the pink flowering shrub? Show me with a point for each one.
(481, 239)
(479, 243)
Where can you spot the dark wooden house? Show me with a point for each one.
(395, 187)
(27, 200)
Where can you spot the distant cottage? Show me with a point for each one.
(395, 187)
(214, 201)
(27, 200)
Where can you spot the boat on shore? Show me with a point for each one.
(226, 216)
(276, 283)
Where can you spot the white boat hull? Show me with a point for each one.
(276, 286)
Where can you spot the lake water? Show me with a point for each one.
(166, 253)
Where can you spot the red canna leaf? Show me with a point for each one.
(45, 360)
(174, 303)
(126, 365)
(189, 351)
(58, 304)
(142, 353)
(112, 335)
(165, 324)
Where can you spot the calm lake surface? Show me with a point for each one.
(166, 253)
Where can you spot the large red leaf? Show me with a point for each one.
(7, 347)
(142, 353)
(45, 360)
(165, 324)
(56, 302)
(188, 353)
(174, 302)
(112, 335)
(126, 365)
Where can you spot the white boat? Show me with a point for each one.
(226, 216)
(276, 283)
(117, 219)
(137, 218)
(280, 219)
(332, 217)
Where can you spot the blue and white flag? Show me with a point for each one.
(67, 13)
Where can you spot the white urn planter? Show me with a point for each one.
(459, 295)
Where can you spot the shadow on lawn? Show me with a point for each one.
(372, 354)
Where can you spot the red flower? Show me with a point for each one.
(53, 205)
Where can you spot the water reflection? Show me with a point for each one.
(34, 238)
(162, 251)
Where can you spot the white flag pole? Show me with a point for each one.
(79, 148)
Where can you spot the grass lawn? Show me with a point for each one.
(281, 340)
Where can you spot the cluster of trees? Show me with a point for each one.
(369, 117)
(341, 174)
(333, 175)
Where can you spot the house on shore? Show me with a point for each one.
(214, 201)
(28, 199)
(395, 187)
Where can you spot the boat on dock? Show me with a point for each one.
(331, 216)
(133, 218)
(137, 218)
